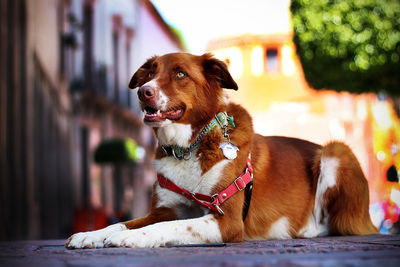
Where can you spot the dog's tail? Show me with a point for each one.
(343, 191)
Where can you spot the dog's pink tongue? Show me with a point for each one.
(161, 116)
(173, 114)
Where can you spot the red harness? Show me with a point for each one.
(211, 202)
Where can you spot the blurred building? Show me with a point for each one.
(273, 88)
(272, 85)
(64, 70)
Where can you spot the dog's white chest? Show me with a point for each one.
(186, 174)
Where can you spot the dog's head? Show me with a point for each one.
(181, 88)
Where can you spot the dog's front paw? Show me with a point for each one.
(132, 238)
(93, 239)
(119, 239)
(85, 240)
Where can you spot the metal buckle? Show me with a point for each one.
(219, 121)
(239, 189)
(185, 156)
(164, 150)
(226, 135)
(251, 173)
(220, 211)
(173, 153)
(223, 122)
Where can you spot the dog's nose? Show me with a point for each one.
(146, 93)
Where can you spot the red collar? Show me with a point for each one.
(211, 202)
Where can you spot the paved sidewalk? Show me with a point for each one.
(376, 250)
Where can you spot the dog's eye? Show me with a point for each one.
(150, 74)
(180, 74)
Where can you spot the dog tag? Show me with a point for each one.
(229, 150)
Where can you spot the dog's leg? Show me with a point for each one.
(191, 231)
(210, 228)
(95, 239)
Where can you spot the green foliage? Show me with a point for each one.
(349, 45)
(116, 151)
(180, 37)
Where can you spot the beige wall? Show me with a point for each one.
(43, 34)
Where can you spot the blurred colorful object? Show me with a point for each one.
(386, 140)
(89, 220)
(115, 151)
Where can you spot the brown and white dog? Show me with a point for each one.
(300, 189)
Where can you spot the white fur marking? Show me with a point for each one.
(94, 239)
(175, 134)
(163, 100)
(329, 168)
(225, 97)
(191, 231)
(280, 229)
(326, 179)
(186, 174)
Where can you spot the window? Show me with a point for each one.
(116, 41)
(271, 60)
(88, 43)
(69, 30)
(128, 57)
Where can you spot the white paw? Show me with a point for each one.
(93, 239)
(132, 238)
(85, 240)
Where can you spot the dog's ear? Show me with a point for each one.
(217, 70)
(140, 74)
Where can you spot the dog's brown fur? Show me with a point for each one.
(287, 171)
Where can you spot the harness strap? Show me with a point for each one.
(213, 202)
(247, 199)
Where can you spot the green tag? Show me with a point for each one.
(231, 122)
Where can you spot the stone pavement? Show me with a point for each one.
(376, 250)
